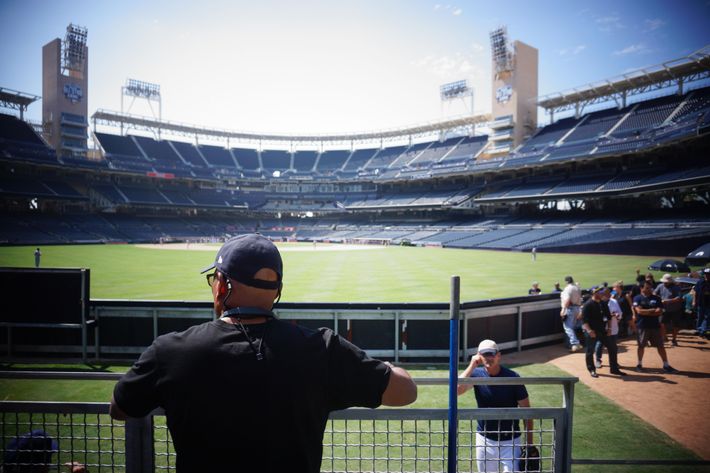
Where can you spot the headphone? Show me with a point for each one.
(225, 292)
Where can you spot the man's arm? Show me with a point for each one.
(116, 412)
(528, 422)
(586, 308)
(401, 388)
(475, 361)
(647, 312)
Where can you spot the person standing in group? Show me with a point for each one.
(627, 325)
(648, 309)
(38, 256)
(669, 292)
(612, 325)
(571, 300)
(249, 392)
(701, 302)
(498, 442)
(595, 316)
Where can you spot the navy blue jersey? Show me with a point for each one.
(499, 396)
(650, 302)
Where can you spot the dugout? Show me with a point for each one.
(46, 308)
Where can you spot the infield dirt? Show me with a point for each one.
(676, 404)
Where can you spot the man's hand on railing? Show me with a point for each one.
(76, 467)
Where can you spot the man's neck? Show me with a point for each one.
(493, 370)
(243, 320)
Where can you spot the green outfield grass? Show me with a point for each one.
(602, 429)
(391, 274)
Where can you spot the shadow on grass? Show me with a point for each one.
(63, 369)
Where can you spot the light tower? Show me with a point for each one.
(456, 90)
(65, 79)
(138, 89)
(514, 82)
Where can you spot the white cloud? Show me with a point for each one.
(437, 6)
(572, 51)
(653, 24)
(609, 23)
(449, 67)
(639, 48)
(477, 47)
(457, 12)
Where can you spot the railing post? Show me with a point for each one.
(396, 336)
(568, 404)
(139, 445)
(520, 329)
(453, 371)
(155, 324)
(84, 334)
(97, 345)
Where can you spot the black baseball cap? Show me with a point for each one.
(242, 256)
(34, 447)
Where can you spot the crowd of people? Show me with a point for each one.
(649, 310)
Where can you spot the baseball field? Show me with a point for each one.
(331, 272)
(603, 427)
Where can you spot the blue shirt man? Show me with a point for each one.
(498, 444)
(648, 308)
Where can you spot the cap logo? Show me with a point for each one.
(219, 260)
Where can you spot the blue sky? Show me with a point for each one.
(335, 66)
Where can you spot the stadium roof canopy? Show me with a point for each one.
(16, 100)
(156, 126)
(694, 67)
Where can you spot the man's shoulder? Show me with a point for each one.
(508, 373)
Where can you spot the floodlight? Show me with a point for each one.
(500, 50)
(139, 88)
(74, 48)
(454, 90)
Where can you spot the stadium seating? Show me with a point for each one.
(19, 141)
(275, 160)
(217, 156)
(385, 157)
(304, 161)
(332, 160)
(358, 159)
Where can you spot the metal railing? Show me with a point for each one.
(392, 440)
(384, 330)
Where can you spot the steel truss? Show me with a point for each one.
(156, 126)
(16, 100)
(678, 72)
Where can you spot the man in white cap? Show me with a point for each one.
(670, 295)
(248, 392)
(498, 443)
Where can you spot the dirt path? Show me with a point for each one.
(677, 404)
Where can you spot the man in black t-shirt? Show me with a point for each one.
(648, 309)
(249, 392)
(595, 315)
